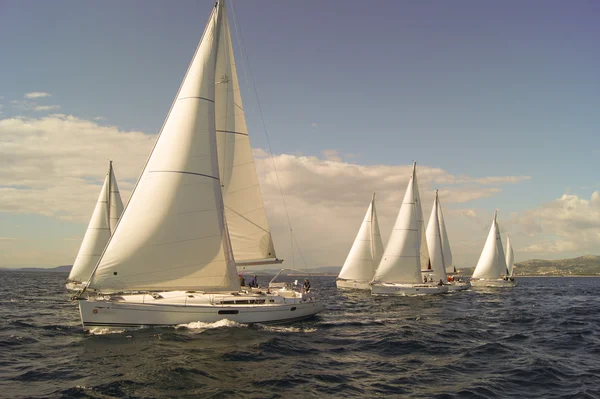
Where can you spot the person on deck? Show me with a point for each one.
(306, 286)
(242, 281)
(252, 282)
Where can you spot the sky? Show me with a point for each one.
(497, 102)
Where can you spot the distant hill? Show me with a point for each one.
(580, 266)
(57, 269)
(587, 265)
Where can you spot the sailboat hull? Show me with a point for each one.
(458, 286)
(407, 289)
(173, 308)
(353, 284)
(493, 283)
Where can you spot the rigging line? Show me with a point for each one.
(249, 72)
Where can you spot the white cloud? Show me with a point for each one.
(37, 94)
(314, 124)
(568, 224)
(46, 108)
(54, 165)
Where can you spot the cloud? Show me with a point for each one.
(314, 124)
(568, 224)
(37, 94)
(25, 105)
(7, 238)
(54, 165)
(46, 107)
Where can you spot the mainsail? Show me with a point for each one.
(434, 242)
(492, 262)
(401, 260)
(448, 261)
(510, 256)
(244, 208)
(366, 251)
(172, 234)
(102, 223)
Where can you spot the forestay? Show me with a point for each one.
(172, 234)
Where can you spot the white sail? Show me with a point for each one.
(423, 251)
(116, 205)
(434, 243)
(244, 208)
(445, 241)
(94, 240)
(172, 233)
(510, 256)
(366, 251)
(492, 263)
(401, 261)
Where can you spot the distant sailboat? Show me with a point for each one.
(365, 254)
(399, 272)
(436, 249)
(102, 224)
(171, 259)
(510, 258)
(448, 260)
(491, 269)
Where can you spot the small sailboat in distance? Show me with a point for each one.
(510, 259)
(102, 224)
(399, 271)
(436, 250)
(365, 254)
(491, 269)
(171, 259)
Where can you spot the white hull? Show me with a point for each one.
(493, 283)
(458, 286)
(353, 284)
(178, 307)
(407, 289)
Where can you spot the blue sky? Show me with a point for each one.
(476, 88)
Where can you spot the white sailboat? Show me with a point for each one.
(510, 258)
(365, 254)
(399, 272)
(491, 268)
(103, 222)
(437, 254)
(171, 259)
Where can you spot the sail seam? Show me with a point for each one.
(181, 171)
(232, 132)
(200, 98)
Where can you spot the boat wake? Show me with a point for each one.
(282, 329)
(199, 326)
(105, 331)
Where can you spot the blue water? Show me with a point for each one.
(538, 340)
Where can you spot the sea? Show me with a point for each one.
(538, 340)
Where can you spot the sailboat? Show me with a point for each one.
(102, 224)
(436, 249)
(510, 259)
(399, 272)
(491, 269)
(171, 259)
(365, 254)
